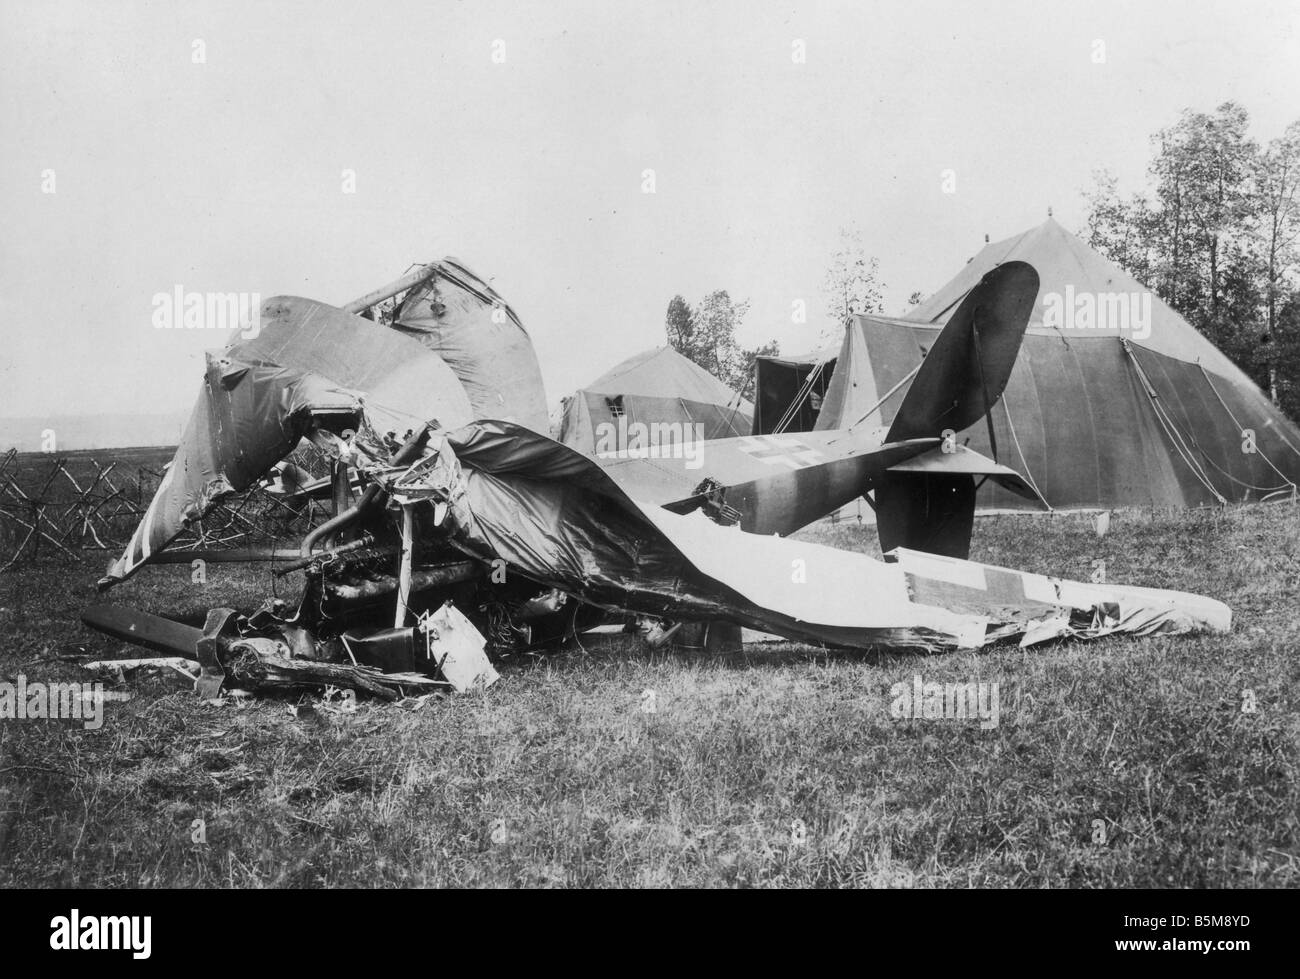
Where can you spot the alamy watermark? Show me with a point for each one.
(651, 440)
(24, 701)
(181, 310)
(97, 932)
(1126, 312)
(921, 701)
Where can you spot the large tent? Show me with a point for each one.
(653, 387)
(1115, 399)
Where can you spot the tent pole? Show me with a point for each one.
(792, 410)
(984, 386)
(888, 394)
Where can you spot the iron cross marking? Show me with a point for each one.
(779, 451)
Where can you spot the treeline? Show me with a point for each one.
(706, 334)
(1215, 234)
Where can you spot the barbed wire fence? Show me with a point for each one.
(53, 509)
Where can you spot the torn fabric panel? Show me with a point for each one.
(611, 552)
(462, 319)
(260, 397)
(557, 518)
(973, 587)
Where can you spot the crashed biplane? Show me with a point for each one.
(473, 530)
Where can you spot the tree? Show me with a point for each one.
(852, 284)
(707, 335)
(1201, 172)
(1119, 229)
(1234, 324)
(1286, 356)
(1217, 236)
(1277, 211)
(748, 359)
(680, 324)
(717, 318)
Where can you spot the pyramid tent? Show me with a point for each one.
(653, 387)
(1115, 399)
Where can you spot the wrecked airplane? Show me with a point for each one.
(477, 534)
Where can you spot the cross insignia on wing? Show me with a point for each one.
(780, 450)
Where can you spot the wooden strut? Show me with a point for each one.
(404, 567)
(406, 282)
(888, 394)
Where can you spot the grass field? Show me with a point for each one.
(1120, 763)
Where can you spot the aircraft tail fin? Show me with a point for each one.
(966, 370)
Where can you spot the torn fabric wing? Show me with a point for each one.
(556, 517)
(309, 363)
(1046, 608)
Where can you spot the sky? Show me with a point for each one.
(207, 146)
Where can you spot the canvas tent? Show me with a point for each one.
(1115, 399)
(781, 402)
(655, 386)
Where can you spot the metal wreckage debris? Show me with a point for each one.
(474, 534)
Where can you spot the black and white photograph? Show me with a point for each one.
(651, 445)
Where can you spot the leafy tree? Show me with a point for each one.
(1234, 325)
(1201, 172)
(706, 334)
(1277, 225)
(717, 318)
(1216, 237)
(852, 283)
(1286, 357)
(1119, 229)
(748, 358)
(680, 324)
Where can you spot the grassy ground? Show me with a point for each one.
(1118, 763)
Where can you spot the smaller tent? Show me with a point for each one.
(657, 386)
(790, 390)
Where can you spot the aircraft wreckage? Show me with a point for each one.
(476, 533)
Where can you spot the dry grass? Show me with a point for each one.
(780, 767)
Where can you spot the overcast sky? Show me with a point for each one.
(226, 175)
